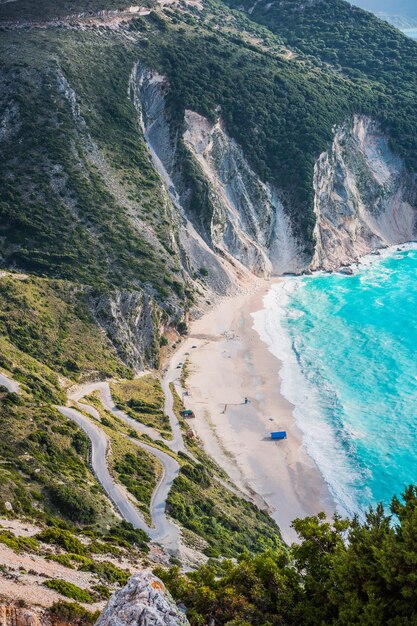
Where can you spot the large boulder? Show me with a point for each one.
(144, 601)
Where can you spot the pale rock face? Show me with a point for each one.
(148, 90)
(248, 225)
(144, 601)
(249, 221)
(364, 197)
(130, 321)
(15, 616)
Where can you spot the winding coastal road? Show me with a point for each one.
(99, 446)
(177, 444)
(10, 384)
(105, 396)
(163, 530)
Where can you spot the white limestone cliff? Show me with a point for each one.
(364, 197)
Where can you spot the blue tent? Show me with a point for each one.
(279, 434)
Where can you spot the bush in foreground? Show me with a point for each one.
(73, 613)
(341, 573)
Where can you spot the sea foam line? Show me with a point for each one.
(319, 438)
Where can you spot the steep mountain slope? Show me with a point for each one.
(94, 165)
(50, 9)
(371, 53)
(382, 156)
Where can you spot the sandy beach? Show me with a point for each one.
(228, 363)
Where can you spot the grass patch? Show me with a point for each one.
(36, 379)
(108, 572)
(62, 559)
(18, 544)
(136, 469)
(143, 399)
(50, 321)
(64, 539)
(125, 535)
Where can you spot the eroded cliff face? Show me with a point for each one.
(148, 90)
(242, 225)
(364, 197)
(132, 321)
(248, 220)
(234, 225)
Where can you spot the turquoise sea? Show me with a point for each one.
(411, 33)
(349, 350)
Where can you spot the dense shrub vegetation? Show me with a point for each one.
(72, 504)
(226, 522)
(63, 214)
(69, 590)
(138, 471)
(373, 54)
(342, 573)
(73, 613)
(64, 539)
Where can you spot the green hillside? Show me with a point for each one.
(375, 56)
(75, 191)
(86, 172)
(23, 10)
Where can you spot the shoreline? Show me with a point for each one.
(228, 363)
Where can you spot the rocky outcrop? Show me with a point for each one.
(364, 196)
(144, 601)
(11, 615)
(131, 321)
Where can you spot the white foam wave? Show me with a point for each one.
(389, 251)
(319, 439)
